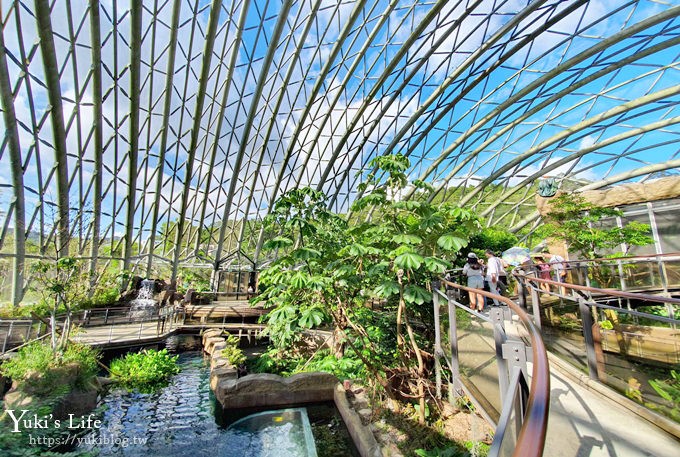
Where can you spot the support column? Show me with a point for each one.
(12, 136)
(47, 50)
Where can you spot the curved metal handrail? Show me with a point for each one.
(589, 312)
(611, 292)
(531, 439)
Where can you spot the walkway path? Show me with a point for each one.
(583, 423)
(149, 332)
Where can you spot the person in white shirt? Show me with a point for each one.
(494, 271)
(559, 268)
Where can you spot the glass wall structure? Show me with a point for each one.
(156, 135)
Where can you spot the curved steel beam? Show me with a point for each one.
(208, 148)
(12, 138)
(669, 165)
(417, 66)
(213, 21)
(577, 155)
(275, 109)
(160, 166)
(337, 47)
(96, 43)
(133, 153)
(250, 118)
(623, 108)
(565, 66)
(415, 34)
(42, 15)
(441, 90)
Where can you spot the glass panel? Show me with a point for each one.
(562, 331)
(669, 230)
(477, 360)
(672, 271)
(640, 250)
(642, 275)
(510, 437)
(636, 353)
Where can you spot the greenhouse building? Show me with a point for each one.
(340, 228)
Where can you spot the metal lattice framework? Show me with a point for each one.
(163, 131)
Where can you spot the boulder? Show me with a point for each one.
(227, 372)
(264, 389)
(209, 343)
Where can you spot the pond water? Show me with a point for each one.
(180, 420)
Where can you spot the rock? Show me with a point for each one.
(209, 343)
(18, 399)
(77, 402)
(266, 389)
(218, 347)
(222, 373)
(219, 362)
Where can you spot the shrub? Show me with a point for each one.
(39, 366)
(232, 352)
(145, 371)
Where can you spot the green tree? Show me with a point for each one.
(497, 239)
(327, 271)
(62, 284)
(580, 223)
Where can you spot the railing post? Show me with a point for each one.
(587, 319)
(536, 306)
(521, 293)
(110, 333)
(139, 335)
(500, 338)
(106, 316)
(437, 340)
(9, 332)
(453, 342)
(663, 275)
(622, 275)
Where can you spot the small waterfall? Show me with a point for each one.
(144, 306)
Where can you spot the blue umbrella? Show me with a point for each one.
(516, 255)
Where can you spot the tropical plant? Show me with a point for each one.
(60, 284)
(497, 239)
(145, 371)
(327, 271)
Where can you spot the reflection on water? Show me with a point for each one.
(175, 421)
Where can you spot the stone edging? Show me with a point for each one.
(268, 389)
(584, 380)
(362, 435)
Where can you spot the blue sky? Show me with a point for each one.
(460, 67)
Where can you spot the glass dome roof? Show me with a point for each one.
(163, 131)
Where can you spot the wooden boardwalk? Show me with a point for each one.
(122, 335)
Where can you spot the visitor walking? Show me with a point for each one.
(473, 269)
(559, 268)
(494, 271)
(543, 269)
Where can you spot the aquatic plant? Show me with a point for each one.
(145, 371)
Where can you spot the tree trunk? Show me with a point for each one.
(53, 328)
(421, 372)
